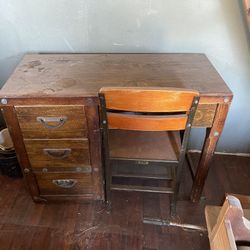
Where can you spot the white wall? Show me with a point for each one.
(213, 27)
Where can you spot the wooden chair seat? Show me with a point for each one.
(141, 130)
(160, 145)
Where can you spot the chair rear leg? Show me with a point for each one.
(173, 199)
(108, 178)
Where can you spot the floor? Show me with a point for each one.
(26, 225)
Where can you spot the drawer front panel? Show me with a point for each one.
(58, 153)
(54, 121)
(204, 115)
(64, 184)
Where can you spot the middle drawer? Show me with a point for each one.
(59, 154)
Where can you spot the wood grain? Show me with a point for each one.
(92, 115)
(78, 156)
(16, 135)
(204, 115)
(47, 187)
(74, 126)
(146, 122)
(70, 225)
(212, 136)
(227, 225)
(148, 99)
(54, 75)
(53, 79)
(144, 145)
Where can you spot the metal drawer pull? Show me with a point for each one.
(46, 120)
(65, 183)
(57, 153)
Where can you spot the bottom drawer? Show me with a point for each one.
(64, 183)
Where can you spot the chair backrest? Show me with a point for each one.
(147, 109)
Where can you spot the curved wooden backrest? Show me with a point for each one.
(148, 99)
(146, 122)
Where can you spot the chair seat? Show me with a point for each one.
(145, 145)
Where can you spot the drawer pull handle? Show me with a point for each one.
(58, 153)
(65, 183)
(59, 121)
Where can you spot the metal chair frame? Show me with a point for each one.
(175, 166)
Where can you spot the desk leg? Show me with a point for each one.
(212, 137)
(16, 135)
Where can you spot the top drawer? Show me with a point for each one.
(64, 121)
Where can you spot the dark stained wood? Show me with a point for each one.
(45, 154)
(148, 99)
(146, 122)
(46, 75)
(19, 101)
(58, 153)
(144, 145)
(48, 183)
(53, 79)
(74, 126)
(204, 115)
(212, 137)
(141, 171)
(149, 189)
(28, 225)
(94, 134)
(17, 138)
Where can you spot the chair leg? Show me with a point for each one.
(177, 180)
(108, 185)
(173, 205)
(108, 195)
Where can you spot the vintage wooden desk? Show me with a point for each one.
(50, 106)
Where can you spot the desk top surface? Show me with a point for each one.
(47, 75)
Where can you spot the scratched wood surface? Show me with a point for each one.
(84, 74)
(26, 225)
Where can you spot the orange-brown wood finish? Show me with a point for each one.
(157, 109)
(148, 99)
(75, 79)
(146, 123)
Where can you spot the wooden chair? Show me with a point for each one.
(229, 226)
(141, 137)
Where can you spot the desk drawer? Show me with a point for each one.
(66, 121)
(59, 154)
(64, 184)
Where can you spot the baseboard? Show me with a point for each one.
(222, 153)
